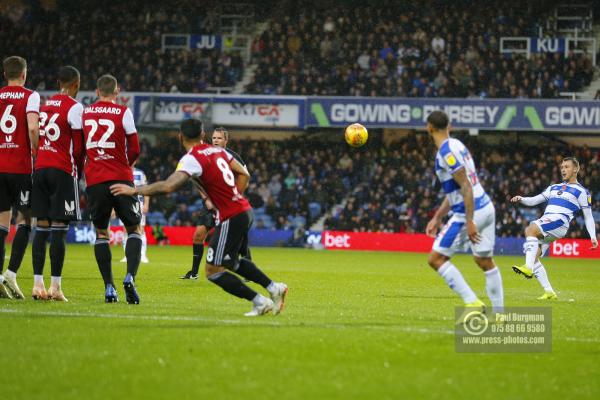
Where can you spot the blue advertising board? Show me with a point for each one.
(411, 113)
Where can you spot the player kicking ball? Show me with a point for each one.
(473, 212)
(224, 180)
(564, 200)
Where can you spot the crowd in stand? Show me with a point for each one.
(409, 49)
(383, 187)
(122, 38)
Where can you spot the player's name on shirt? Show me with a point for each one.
(103, 110)
(211, 150)
(53, 103)
(12, 95)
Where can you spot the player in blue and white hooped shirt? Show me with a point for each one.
(139, 179)
(473, 219)
(564, 200)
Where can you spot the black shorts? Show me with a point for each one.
(101, 202)
(15, 191)
(55, 195)
(207, 219)
(228, 239)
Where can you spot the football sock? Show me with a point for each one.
(3, 235)
(250, 271)
(531, 249)
(18, 248)
(540, 274)
(38, 279)
(493, 286)
(133, 252)
(232, 285)
(198, 250)
(38, 249)
(57, 249)
(104, 259)
(55, 280)
(456, 282)
(144, 244)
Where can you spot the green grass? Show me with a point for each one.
(356, 325)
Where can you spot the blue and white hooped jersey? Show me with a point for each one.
(139, 179)
(565, 199)
(452, 156)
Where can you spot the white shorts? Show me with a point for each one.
(553, 227)
(453, 237)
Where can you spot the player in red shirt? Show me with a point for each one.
(224, 179)
(55, 193)
(112, 146)
(19, 125)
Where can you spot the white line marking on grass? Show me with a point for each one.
(250, 322)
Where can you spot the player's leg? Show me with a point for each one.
(197, 250)
(144, 256)
(128, 209)
(100, 205)
(19, 246)
(533, 234)
(58, 245)
(22, 201)
(446, 244)
(485, 219)
(539, 271)
(4, 227)
(38, 258)
(226, 240)
(247, 269)
(40, 209)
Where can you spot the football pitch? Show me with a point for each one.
(356, 325)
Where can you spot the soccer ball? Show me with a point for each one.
(356, 135)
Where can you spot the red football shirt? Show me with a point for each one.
(60, 134)
(15, 148)
(209, 166)
(105, 128)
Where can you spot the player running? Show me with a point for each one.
(564, 200)
(55, 194)
(224, 180)
(139, 179)
(112, 147)
(19, 126)
(206, 221)
(473, 212)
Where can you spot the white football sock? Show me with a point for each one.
(540, 274)
(259, 300)
(272, 288)
(38, 279)
(144, 243)
(9, 274)
(456, 282)
(493, 286)
(55, 280)
(531, 249)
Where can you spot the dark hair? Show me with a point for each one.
(573, 160)
(13, 67)
(107, 85)
(191, 128)
(223, 131)
(67, 75)
(438, 119)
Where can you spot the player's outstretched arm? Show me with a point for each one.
(590, 225)
(173, 182)
(529, 201)
(460, 176)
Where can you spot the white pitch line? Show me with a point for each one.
(249, 322)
